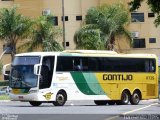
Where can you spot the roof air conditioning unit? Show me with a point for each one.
(135, 34)
(46, 12)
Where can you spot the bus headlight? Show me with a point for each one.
(33, 91)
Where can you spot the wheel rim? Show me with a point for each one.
(60, 99)
(125, 98)
(136, 97)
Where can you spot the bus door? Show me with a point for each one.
(46, 72)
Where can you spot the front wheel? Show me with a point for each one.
(135, 98)
(61, 98)
(35, 103)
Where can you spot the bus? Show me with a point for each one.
(105, 77)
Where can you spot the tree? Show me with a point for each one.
(153, 4)
(102, 25)
(1, 67)
(13, 27)
(44, 36)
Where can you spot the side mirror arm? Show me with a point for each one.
(4, 69)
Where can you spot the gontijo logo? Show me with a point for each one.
(48, 95)
(117, 77)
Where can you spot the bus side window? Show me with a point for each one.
(149, 66)
(152, 66)
(80, 64)
(77, 64)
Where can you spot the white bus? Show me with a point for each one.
(103, 76)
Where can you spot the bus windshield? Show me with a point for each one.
(22, 72)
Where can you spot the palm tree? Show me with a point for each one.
(107, 22)
(44, 36)
(13, 27)
(88, 37)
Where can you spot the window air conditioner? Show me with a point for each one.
(46, 12)
(135, 34)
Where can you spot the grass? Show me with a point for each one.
(4, 97)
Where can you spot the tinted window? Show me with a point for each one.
(128, 65)
(64, 64)
(105, 64)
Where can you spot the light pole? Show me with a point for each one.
(63, 18)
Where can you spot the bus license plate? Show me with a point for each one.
(20, 97)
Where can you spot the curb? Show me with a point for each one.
(5, 101)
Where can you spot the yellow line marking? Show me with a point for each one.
(117, 116)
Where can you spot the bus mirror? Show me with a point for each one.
(37, 69)
(4, 70)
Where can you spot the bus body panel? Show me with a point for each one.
(91, 85)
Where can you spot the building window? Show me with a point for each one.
(66, 18)
(151, 15)
(139, 43)
(78, 18)
(137, 17)
(152, 40)
(53, 19)
(67, 44)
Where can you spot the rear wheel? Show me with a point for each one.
(61, 98)
(100, 102)
(35, 103)
(135, 98)
(125, 98)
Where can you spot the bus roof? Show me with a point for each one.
(86, 53)
(90, 51)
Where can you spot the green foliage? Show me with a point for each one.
(4, 83)
(153, 4)
(135, 4)
(101, 26)
(13, 27)
(44, 36)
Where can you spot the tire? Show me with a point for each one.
(61, 99)
(100, 102)
(35, 103)
(111, 102)
(135, 98)
(125, 98)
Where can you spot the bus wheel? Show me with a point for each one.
(111, 102)
(125, 98)
(100, 102)
(61, 98)
(135, 98)
(35, 103)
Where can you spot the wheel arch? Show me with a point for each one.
(139, 91)
(127, 90)
(62, 90)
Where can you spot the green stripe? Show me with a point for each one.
(81, 83)
(93, 83)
